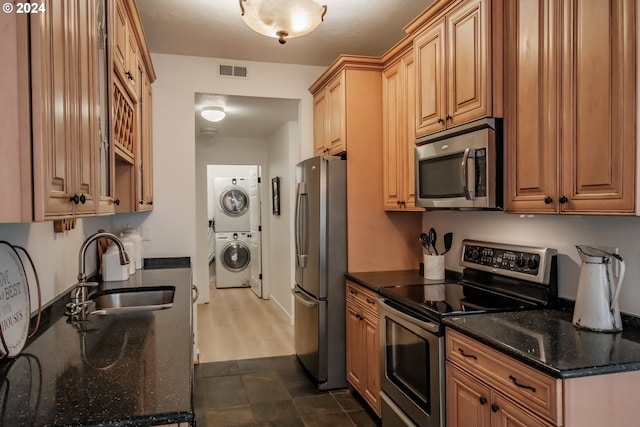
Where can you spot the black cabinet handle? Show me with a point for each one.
(117, 202)
(563, 200)
(371, 301)
(548, 200)
(494, 407)
(440, 120)
(75, 199)
(449, 118)
(471, 356)
(83, 199)
(483, 400)
(515, 381)
(141, 202)
(129, 75)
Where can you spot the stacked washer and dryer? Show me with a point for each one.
(232, 232)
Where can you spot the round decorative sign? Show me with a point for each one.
(14, 302)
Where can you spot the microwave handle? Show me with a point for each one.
(469, 153)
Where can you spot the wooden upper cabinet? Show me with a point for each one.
(341, 103)
(570, 107)
(330, 117)
(131, 111)
(64, 109)
(532, 108)
(15, 120)
(453, 56)
(599, 98)
(398, 125)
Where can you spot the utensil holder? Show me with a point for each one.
(433, 267)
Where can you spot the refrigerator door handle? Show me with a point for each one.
(302, 242)
(302, 300)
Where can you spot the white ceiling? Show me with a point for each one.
(214, 28)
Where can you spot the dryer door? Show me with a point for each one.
(234, 202)
(235, 256)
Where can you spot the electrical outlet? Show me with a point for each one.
(145, 233)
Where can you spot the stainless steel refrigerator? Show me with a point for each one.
(321, 263)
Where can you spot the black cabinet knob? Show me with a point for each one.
(83, 199)
(483, 400)
(563, 200)
(494, 407)
(75, 199)
(449, 118)
(117, 202)
(440, 120)
(548, 200)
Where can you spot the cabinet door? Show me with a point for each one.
(84, 156)
(320, 122)
(599, 106)
(468, 401)
(393, 142)
(508, 414)
(371, 388)
(408, 66)
(120, 38)
(336, 131)
(15, 120)
(53, 108)
(531, 125)
(146, 146)
(429, 51)
(355, 347)
(468, 65)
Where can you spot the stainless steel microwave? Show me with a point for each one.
(461, 167)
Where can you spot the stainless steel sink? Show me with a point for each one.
(125, 300)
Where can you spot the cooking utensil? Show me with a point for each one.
(448, 240)
(424, 239)
(433, 237)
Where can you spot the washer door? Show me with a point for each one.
(234, 201)
(235, 256)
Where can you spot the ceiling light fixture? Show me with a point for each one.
(282, 19)
(213, 114)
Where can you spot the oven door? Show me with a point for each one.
(411, 369)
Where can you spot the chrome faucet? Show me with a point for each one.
(79, 295)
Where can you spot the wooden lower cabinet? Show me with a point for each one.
(485, 387)
(471, 403)
(363, 366)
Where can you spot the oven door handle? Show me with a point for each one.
(428, 326)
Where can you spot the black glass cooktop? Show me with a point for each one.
(449, 299)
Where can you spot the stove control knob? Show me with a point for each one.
(521, 261)
(533, 263)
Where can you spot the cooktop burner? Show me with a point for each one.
(449, 299)
(497, 277)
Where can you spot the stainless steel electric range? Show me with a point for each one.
(496, 277)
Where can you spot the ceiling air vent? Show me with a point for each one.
(232, 71)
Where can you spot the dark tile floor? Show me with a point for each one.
(273, 391)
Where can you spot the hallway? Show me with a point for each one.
(237, 325)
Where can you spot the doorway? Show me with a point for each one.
(235, 227)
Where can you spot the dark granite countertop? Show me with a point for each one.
(548, 341)
(120, 369)
(386, 279)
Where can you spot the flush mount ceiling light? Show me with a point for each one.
(282, 19)
(213, 114)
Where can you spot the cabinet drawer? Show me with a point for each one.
(362, 296)
(525, 385)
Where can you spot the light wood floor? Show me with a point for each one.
(238, 325)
